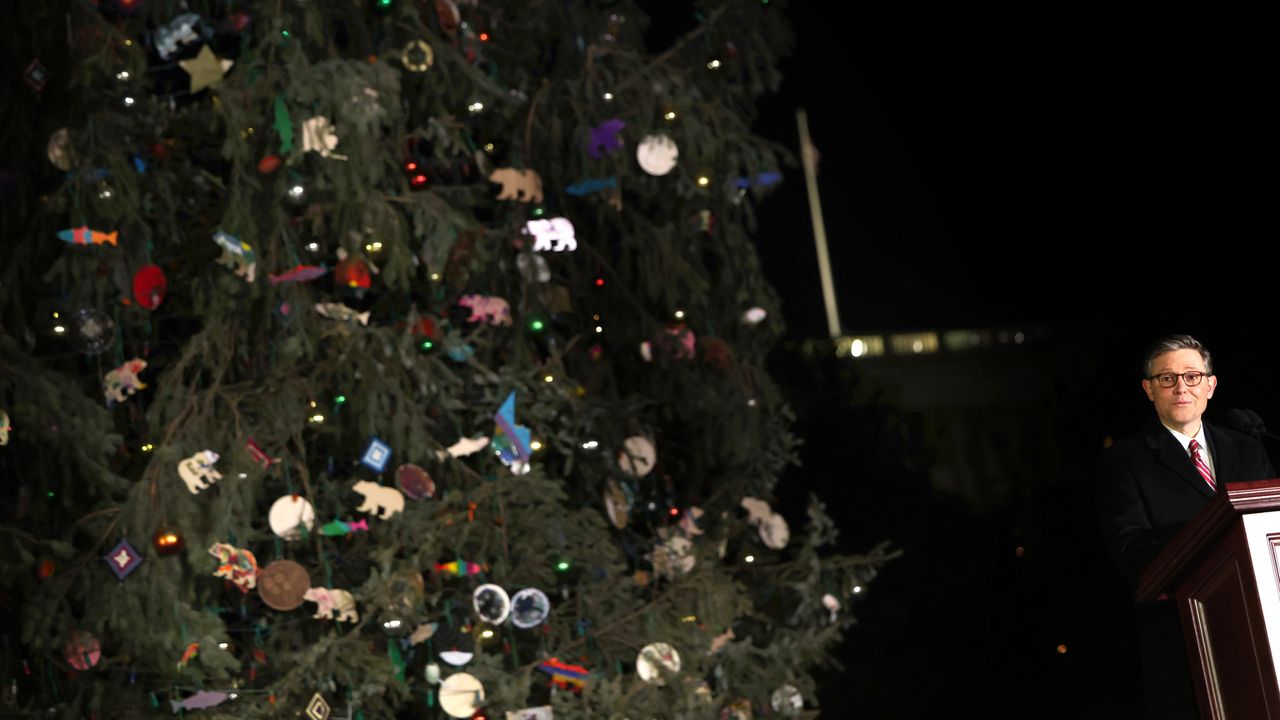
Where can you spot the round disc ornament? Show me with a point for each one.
(417, 56)
(90, 331)
(149, 286)
(59, 149)
(617, 504)
(282, 584)
(415, 482)
(529, 608)
(657, 154)
(492, 603)
(637, 456)
(653, 658)
(461, 695)
(454, 646)
(82, 650)
(290, 515)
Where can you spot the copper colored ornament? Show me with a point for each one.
(149, 286)
(415, 482)
(167, 541)
(269, 164)
(282, 584)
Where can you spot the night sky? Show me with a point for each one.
(1097, 180)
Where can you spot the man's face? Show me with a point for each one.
(1180, 406)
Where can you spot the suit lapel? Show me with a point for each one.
(1226, 456)
(1172, 456)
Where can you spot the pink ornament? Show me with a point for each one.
(82, 650)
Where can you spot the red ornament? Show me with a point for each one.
(353, 273)
(167, 541)
(269, 164)
(426, 327)
(149, 286)
(46, 569)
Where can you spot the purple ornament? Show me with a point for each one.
(123, 559)
(604, 137)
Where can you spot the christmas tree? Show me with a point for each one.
(396, 358)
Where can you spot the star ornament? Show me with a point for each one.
(205, 69)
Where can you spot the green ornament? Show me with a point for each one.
(283, 125)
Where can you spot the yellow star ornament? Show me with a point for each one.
(205, 69)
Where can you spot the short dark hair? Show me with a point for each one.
(1170, 343)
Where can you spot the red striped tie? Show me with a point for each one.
(1200, 464)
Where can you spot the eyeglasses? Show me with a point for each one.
(1191, 378)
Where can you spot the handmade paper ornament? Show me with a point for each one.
(454, 646)
(509, 439)
(787, 701)
(676, 341)
(674, 557)
(657, 154)
(551, 234)
(123, 559)
(519, 185)
(617, 503)
(380, 501)
(36, 76)
(82, 650)
(604, 138)
(332, 604)
(376, 455)
(417, 56)
(237, 565)
(167, 541)
(197, 471)
(485, 308)
(318, 708)
(342, 313)
(464, 447)
(415, 482)
(533, 268)
(291, 516)
(338, 528)
(461, 695)
(739, 709)
(565, 675)
(84, 235)
(259, 455)
(832, 604)
(205, 69)
(529, 608)
(691, 522)
(299, 273)
(59, 151)
(123, 382)
(5, 428)
(149, 286)
(90, 331)
(200, 701)
(538, 713)
(491, 603)
(772, 527)
(236, 255)
(320, 136)
(586, 186)
(192, 650)
(178, 32)
(637, 456)
(460, 568)
(654, 659)
(283, 584)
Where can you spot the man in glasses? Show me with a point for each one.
(1150, 485)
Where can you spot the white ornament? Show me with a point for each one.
(318, 135)
(464, 447)
(379, 500)
(332, 600)
(492, 604)
(754, 316)
(529, 608)
(290, 515)
(197, 471)
(551, 234)
(461, 695)
(674, 557)
(831, 603)
(787, 701)
(657, 154)
(637, 456)
(653, 658)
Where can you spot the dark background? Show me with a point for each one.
(1093, 180)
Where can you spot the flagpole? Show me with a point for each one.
(807, 155)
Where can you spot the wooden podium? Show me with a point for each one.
(1223, 571)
